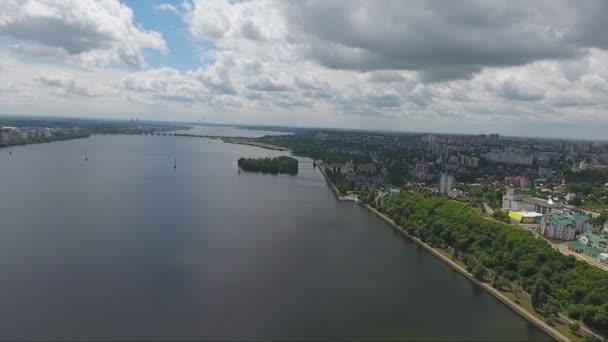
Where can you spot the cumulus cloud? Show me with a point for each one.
(519, 91)
(266, 83)
(394, 64)
(66, 85)
(443, 40)
(100, 32)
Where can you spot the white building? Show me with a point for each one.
(446, 183)
(513, 200)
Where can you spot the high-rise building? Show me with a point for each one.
(446, 183)
(422, 170)
(494, 139)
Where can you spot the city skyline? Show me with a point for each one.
(519, 69)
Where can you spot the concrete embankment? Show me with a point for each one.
(504, 299)
(331, 184)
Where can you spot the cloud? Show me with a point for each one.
(519, 91)
(444, 41)
(250, 31)
(167, 8)
(217, 77)
(385, 64)
(266, 83)
(66, 86)
(99, 33)
(385, 76)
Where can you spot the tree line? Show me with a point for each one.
(508, 258)
(276, 165)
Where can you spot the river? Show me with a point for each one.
(125, 247)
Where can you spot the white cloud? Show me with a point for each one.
(93, 32)
(167, 8)
(395, 65)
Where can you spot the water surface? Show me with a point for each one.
(125, 247)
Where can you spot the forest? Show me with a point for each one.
(508, 258)
(276, 165)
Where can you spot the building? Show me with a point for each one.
(518, 182)
(525, 217)
(595, 240)
(446, 183)
(564, 226)
(513, 200)
(542, 206)
(24, 135)
(593, 245)
(6, 134)
(422, 170)
(510, 157)
(494, 139)
(544, 172)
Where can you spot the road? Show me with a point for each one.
(563, 248)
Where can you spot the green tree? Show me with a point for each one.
(479, 271)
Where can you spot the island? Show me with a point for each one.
(278, 165)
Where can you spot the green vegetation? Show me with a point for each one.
(276, 165)
(336, 177)
(39, 140)
(512, 258)
(486, 194)
(590, 188)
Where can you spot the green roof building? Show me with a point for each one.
(595, 240)
(564, 226)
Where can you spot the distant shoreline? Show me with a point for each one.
(255, 143)
(45, 142)
(235, 140)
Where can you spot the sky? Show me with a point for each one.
(529, 68)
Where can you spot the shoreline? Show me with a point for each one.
(45, 142)
(543, 326)
(539, 323)
(235, 140)
(256, 144)
(329, 182)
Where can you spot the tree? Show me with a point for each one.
(576, 201)
(575, 327)
(539, 295)
(479, 271)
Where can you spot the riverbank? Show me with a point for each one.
(255, 143)
(233, 140)
(539, 323)
(45, 141)
(500, 296)
(329, 182)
